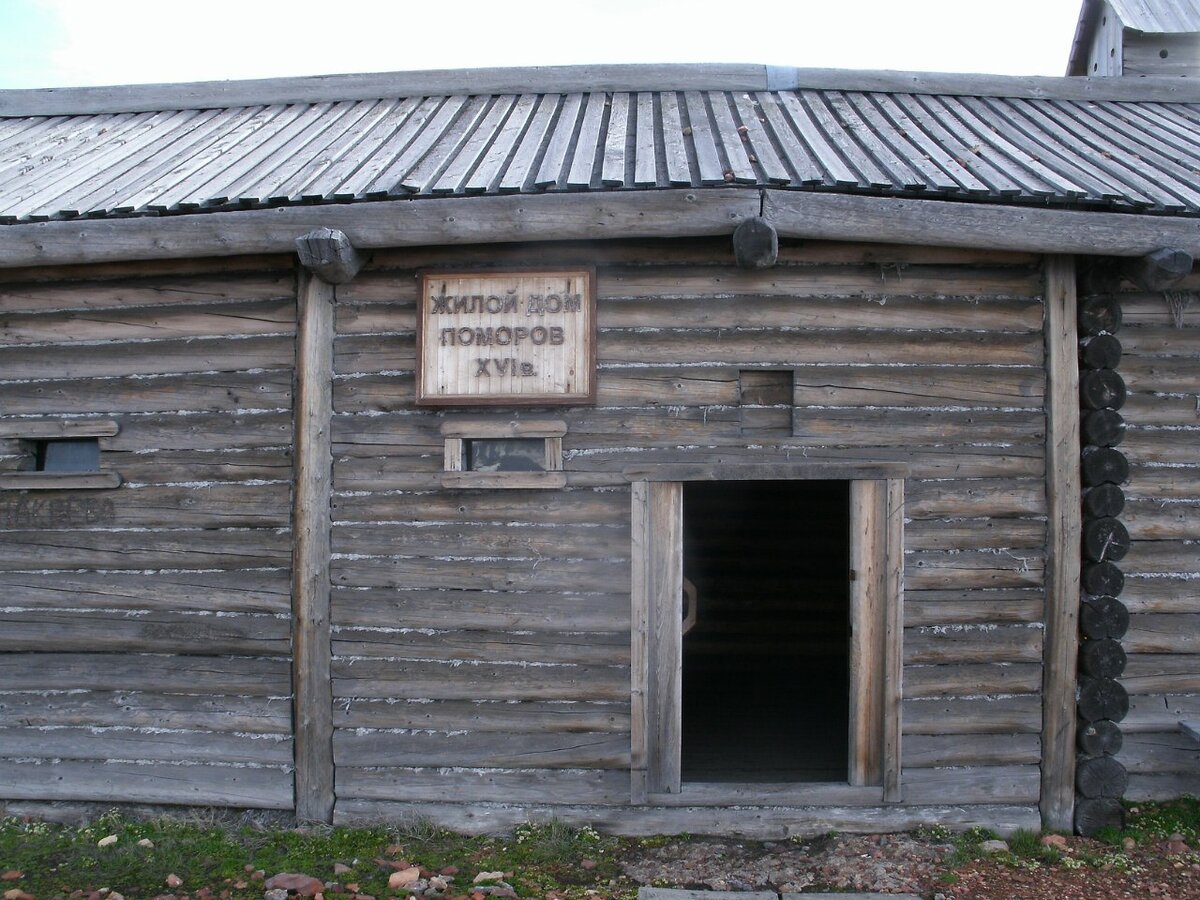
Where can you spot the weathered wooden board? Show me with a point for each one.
(1159, 712)
(907, 427)
(1149, 520)
(984, 784)
(1144, 409)
(1161, 374)
(581, 750)
(188, 466)
(1162, 752)
(96, 631)
(494, 541)
(587, 648)
(975, 534)
(1163, 633)
(203, 432)
(478, 573)
(133, 744)
(201, 785)
(974, 497)
(923, 386)
(201, 392)
(602, 786)
(213, 592)
(934, 750)
(1161, 594)
(143, 709)
(1174, 483)
(414, 679)
(1163, 787)
(935, 644)
(507, 610)
(132, 291)
(1017, 714)
(197, 506)
(182, 549)
(128, 672)
(1161, 673)
(570, 507)
(160, 323)
(1165, 557)
(525, 717)
(971, 607)
(973, 569)
(149, 357)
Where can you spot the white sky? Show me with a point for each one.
(58, 43)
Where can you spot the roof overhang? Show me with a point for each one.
(599, 216)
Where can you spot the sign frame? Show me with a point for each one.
(583, 397)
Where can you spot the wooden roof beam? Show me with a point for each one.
(600, 216)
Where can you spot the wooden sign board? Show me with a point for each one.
(506, 338)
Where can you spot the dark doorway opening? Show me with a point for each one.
(766, 662)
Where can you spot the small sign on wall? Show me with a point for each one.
(507, 338)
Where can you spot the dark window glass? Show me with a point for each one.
(68, 456)
(505, 455)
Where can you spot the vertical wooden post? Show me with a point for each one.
(867, 597)
(657, 640)
(311, 526)
(893, 638)
(1062, 545)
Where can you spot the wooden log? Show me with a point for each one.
(142, 285)
(995, 643)
(1102, 428)
(1103, 465)
(1019, 714)
(1158, 270)
(149, 744)
(183, 549)
(1102, 698)
(1163, 633)
(1100, 738)
(1104, 658)
(487, 750)
(980, 784)
(1103, 579)
(1154, 786)
(1105, 539)
(526, 717)
(1099, 314)
(1163, 593)
(482, 646)
(929, 569)
(1100, 776)
(935, 750)
(600, 786)
(1103, 617)
(328, 254)
(1100, 351)
(1174, 751)
(1102, 389)
(971, 679)
(755, 243)
(1161, 673)
(1103, 500)
(212, 675)
(146, 709)
(1094, 816)
(1165, 557)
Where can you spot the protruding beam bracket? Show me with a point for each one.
(755, 244)
(328, 254)
(1159, 270)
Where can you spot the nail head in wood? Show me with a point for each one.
(1161, 269)
(328, 254)
(755, 244)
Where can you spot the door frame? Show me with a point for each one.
(876, 635)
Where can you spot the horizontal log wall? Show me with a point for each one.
(146, 629)
(481, 638)
(1162, 514)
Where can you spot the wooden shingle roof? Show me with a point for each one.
(1046, 142)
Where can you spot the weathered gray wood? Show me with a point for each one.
(770, 823)
(182, 549)
(131, 709)
(971, 679)
(490, 749)
(827, 216)
(482, 646)
(197, 392)
(50, 290)
(477, 573)
(257, 677)
(755, 244)
(311, 527)
(869, 601)
(1019, 714)
(891, 726)
(988, 643)
(328, 254)
(527, 716)
(954, 570)
(970, 607)
(982, 784)
(715, 794)
(386, 679)
(394, 223)
(150, 744)
(602, 786)
(1159, 269)
(213, 592)
(255, 318)
(926, 751)
(54, 429)
(59, 481)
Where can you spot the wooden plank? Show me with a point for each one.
(949, 570)
(1162, 673)
(904, 427)
(937, 750)
(570, 507)
(209, 392)
(196, 549)
(311, 527)
(155, 291)
(942, 644)
(716, 794)
(657, 648)
(212, 592)
(971, 679)
(58, 481)
(1160, 753)
(917, 386)
(868, 600)
(198, 785)
(828, 216)
(976, 534)
(983, 784)
(393, 223)
(577, 750)
(600, 786)
(1161, 594)
(893, 637)
(133, 744)
(134, 709)
(1017, 714)
(1160, 712)
(95, 631)
(406, 679)
(1163, 633)
(478, 573)
(54, 429)
(972, 607)
(970, 497)
(1163, 787)
(1162, 558)
(611, 648)
(527, 717)
(204, 431)
(247, 676)
(576, 542)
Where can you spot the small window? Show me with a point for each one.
(519, 453)
(68, 456)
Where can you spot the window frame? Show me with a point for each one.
(35, 432)
(456, 432)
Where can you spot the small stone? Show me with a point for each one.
(1175, 848)
(147, 843)
(449, 870)
(438, 883)
(304, 885)
(12, 875)
(174, 881)
(258, 875)
(1128, 844)
(107, 841)
(1176, 836)
(404, 878)
(341, 869)
(114, 895)
(588, 864)
(1057, 841)
(487, 876)
(994, 847)
(275, 894)
(17, 894)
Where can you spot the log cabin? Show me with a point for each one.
(714, 448)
